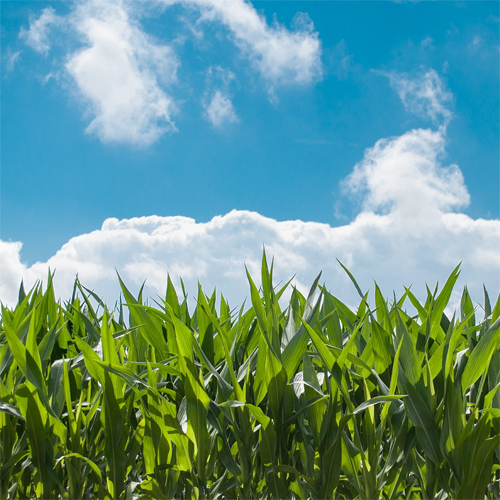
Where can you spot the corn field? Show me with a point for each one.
(312, 401)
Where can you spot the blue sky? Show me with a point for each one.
(262, 106)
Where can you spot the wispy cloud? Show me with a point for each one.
(476, 42)
(427, 42)
(11, 59)
(38, 35)
(423, 94)
(280, 55)
(339, 61)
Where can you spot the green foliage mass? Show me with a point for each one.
(313, 401)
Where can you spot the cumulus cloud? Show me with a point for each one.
(118, 74)
(220, 110)
(416, 238)
(11, 271)
(38, 34)
(423, 94)
(403, 176)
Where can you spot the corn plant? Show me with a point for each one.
(314, 400)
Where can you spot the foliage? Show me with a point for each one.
(313, 401)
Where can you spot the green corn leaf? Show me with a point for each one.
(495, 313)
(171, 299)
(481, 476)
(114, 449)
(55, 386)
(89, 327)
(226, 388)
(48, 342)
(481, 355)
(381, 342)
(394, 381)
(443, 299)
(150, 330)
(296, 347)
(10, 409)
(227, 356)
(259, 309)
(197, 399)
(347, 348)
(267, 282)
(408, 357)
(40, 448)
(31, 370)
(91, 360)
(375, 401)
(311, 389)
(421, 417)
(324, 352)
(92, 464)
(358, 289)
(422, 311)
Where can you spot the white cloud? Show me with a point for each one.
(218, 75)
(340, 61)
(118, 75)
(124, 76)
(403, 176)
(220, 110)
(12, 59)
(476, 41)
(423, 94)
(427, 42)
(217, 104)
(416, 239)
(37, 36)
(280, 55)
(11, 271)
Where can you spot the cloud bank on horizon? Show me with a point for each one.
(409, 228)
(405, 233)
(387, 246)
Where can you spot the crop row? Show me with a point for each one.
(314, 400)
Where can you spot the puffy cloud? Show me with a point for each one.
(220, 110)
(423, 94)
(403, 175)
(37, 36)
(119, 74)
(11, 271)
(416, 239)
